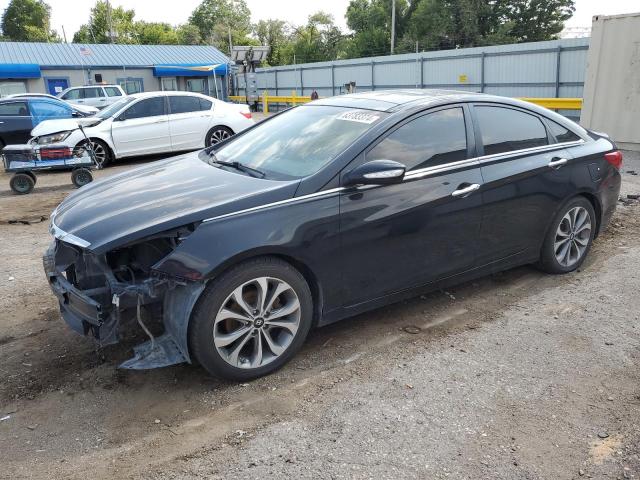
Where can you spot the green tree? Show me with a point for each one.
(215, 18)
(97, 30)
(370, 21)
(188, 35)
(319, 40)
(276, 34)
(28, 21)
(438, 24)
(152, 33)
(532, 20)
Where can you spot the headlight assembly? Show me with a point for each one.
(53, 138)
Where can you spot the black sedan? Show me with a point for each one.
(19, 115)
(322, 212)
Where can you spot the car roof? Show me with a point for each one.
(168, 92)
(94, 86)
(397, 100)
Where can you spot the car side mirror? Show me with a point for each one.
(77, 115)
(376, 172)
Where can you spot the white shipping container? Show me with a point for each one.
(612, 82)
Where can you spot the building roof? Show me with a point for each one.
(108, 55)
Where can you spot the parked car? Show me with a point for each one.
(85, 110)
(99, 96)
(18, 116)
(157, 122)
(322, 212)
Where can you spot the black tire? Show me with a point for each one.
(81, 176)
(33, 176)
(103, 152)
(215, 296)
(217, 134)
(579, 243)
(22, 183)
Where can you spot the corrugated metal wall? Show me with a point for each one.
(541, 69)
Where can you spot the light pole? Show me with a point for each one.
(393, 25)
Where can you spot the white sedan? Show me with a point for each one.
(150, 123)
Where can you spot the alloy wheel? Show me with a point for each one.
(257, 322)
(218, 136)
(99, 152)
(572, 236)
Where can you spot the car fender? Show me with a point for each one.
(303, 229)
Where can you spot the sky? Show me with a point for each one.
(73, 13)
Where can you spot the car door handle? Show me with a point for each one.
(557, 163)
(159, 121)
(461, 192)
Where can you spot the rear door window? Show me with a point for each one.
(433, 139)
(183, 104)
(14, 109)
(149, 107)
(93, 92)
(505, 129)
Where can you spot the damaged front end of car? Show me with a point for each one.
(99, 293)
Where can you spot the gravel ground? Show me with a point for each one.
(519, 375)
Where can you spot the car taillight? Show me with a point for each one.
(246, 114)
(614, 158)
(55, 153)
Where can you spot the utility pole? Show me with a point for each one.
(64, 35)
(393, 25)
(230, 44)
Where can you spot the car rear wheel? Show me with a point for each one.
(218, 134)
(100, 150)
(569, 239)
(251, 320)
(22, 183)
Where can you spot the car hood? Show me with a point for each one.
(157, 197)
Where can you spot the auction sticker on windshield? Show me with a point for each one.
(359, 116)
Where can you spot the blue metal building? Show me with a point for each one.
(52, 67)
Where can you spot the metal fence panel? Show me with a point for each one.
(540, 69)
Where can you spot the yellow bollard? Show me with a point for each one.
(265, 102)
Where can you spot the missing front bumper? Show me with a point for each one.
(99, 311)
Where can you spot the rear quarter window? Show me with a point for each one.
(113, 91)
(561, 133)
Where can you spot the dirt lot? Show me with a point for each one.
(516, 376)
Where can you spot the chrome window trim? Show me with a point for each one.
(409, 176)
(541, 148)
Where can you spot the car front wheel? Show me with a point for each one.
(100, 149)
(251, 320)
(569, 239)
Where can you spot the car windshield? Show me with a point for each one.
(299, 142)
(114, 108)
